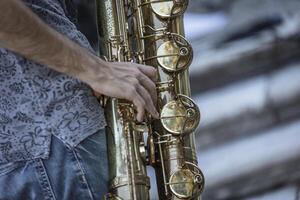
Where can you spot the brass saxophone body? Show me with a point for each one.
(151, 32)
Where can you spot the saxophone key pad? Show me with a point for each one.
(180, 116)
(182, 184)
(174, 56)
(187, 182)
(168, 8)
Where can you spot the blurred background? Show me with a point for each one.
(245, 77)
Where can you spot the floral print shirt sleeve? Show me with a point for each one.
(37, 102)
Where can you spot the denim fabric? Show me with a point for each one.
(70, 173)
(36, 101)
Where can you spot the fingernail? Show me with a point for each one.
(156, 115)
(140, 120)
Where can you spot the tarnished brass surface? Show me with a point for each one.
(168, 8)
(186, 183)
(151, 32)
(182, 183)
(180, 116)
(174, 56)
(127, 169)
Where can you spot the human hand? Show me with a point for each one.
(130, 81)
(46, 46)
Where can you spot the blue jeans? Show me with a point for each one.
(79, 173)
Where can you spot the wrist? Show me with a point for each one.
(94, 69)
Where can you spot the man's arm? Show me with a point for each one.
(23, 32)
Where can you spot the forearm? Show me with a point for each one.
(23, 32)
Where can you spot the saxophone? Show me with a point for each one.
(151, 32)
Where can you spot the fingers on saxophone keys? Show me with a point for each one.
(140, 105)
(148, 102)
(149, 71)
(148, 84)
(144, 89)
(142, 100)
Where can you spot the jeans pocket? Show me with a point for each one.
(6, 168)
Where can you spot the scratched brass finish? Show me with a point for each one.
(128, 178)
(174, 55)
(178, 176)
(166, 9)
(180, 116)
(151, 32)
(186, 183)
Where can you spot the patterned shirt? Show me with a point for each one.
(36, 101)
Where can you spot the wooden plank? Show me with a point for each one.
(209, 5)
(285, 193)
(240, 168)
(244, 108)
(216, 65)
